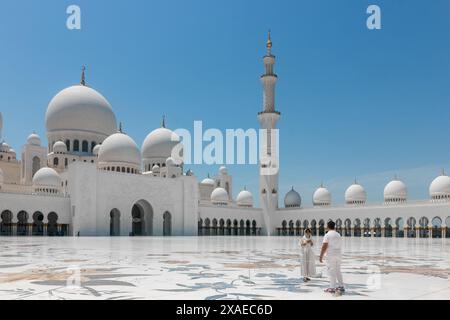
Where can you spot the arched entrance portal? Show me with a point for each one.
(114, 223)
(142, 219)
(167, 224)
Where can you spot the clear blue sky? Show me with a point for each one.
(354, 102)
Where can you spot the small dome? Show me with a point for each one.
(119, 148)
(322, 197)
(4, 147)
(59, 147)
(292, 199)
(159, 144)
(355, 194)
(219, 195)
(34, 140)
(155, 168)
(170, 162)
(223, 170)
(47, 177)
(395, 191)
(189, 173)
(80, 108)
(245, 199)
(440, 187)
(96, 149)
(208, 181)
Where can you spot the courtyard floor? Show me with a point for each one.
(216, 268)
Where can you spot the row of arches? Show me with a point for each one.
(229, 227)
(149, 167)
(141, 221)
(121, 169)
(411, 228)
(76, 145)
(7, 159)
(31, 227)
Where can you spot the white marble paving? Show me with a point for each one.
(216, 268)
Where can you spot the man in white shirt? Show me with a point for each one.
(332, 243)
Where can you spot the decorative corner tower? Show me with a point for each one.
(269, 160)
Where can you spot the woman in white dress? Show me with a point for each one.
(308, 263)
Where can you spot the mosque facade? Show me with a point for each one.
(93, 180)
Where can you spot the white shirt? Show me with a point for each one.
(334, 244)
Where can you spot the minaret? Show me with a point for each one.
(1, 127)
(269, 161)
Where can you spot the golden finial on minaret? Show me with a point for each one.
(269, 42)
(83, 76)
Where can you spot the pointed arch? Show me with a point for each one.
(6, 223)
(142, 218)
(38, 224)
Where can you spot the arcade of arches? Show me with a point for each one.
(228, 227)
(31, 225)
(390, 228)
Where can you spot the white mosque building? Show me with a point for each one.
(93, 180)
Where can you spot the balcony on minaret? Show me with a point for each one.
(268, 111)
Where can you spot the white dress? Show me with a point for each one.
(308, 262)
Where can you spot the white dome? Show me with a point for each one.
(34, 139)
(245, 198)
(47, 177)
(395, 191)
(119, 148)
(208, 181)
(355, 194)
(80, 108)
(321, 196)
(4, 147)
(292, 199)
(223, 170)
(59, 147)
(155, 168)
(170, 162)
(159, 144)
(219, 195)
(440, 187)
(96, 149)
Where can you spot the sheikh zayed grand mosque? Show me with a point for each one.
(93, 180)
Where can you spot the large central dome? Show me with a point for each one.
(80, 108)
